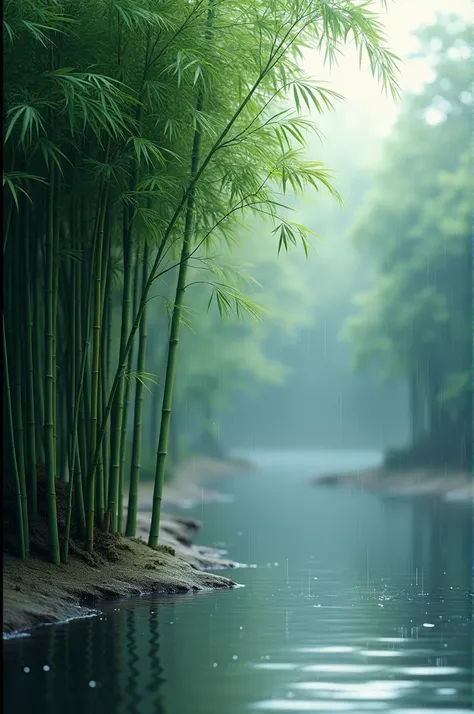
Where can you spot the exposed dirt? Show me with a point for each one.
(37, 592)
(179, 534)
(450, 486)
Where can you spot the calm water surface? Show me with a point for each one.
(356, 605)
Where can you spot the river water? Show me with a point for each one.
(356, 604)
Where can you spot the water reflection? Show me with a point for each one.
(98, 665)
(368, 611)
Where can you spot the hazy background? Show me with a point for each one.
(323, 403)
(290, 382)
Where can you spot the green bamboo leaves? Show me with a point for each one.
(137, 135)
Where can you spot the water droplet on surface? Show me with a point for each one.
(234, 657)
(214, 664)
(26, 670)
(46, 668)
(241, 628)
(92, 684)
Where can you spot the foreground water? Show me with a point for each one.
(356, 604)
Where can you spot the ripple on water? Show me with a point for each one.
(275, 666)
(343, 668)
(430, 671)
(373, 690)
(382, 653)
(303, 705)
(327, 650)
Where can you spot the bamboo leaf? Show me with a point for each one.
(229, 300)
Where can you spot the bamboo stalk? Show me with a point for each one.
(30, 387)
(126, 403)
(173, 347)
(104, 476)
(117, 432)
(21, 524)
(95, 366)
(82, 346)
(18, 383)
(75, 481)
(49, 380)
(56, 395)
(108, 373)
(38, 347)
(96, 331)
(137, 425)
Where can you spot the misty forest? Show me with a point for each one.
(237, 310)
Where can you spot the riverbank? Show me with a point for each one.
(37, 592)
(449, 486)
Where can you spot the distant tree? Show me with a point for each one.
(415, 321)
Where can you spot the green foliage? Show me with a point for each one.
(158, 125)
(416, 224)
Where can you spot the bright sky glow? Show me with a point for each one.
(402, 18)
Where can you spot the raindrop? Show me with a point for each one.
(214, 664)
(26, 670)
(234, 657)
(241, 628)
(428, 624)
(46, 668)
(92, 684)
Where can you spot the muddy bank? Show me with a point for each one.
(450, 486)
(179, 533)
(38, 592)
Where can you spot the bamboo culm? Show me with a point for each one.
(117, 431)
(173, 347)
(49, 381)
(137, 422)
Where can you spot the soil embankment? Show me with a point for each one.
(37, 592)
(450, 486)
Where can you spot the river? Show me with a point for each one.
(356, 604)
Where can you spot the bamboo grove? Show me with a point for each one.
(137, 136)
